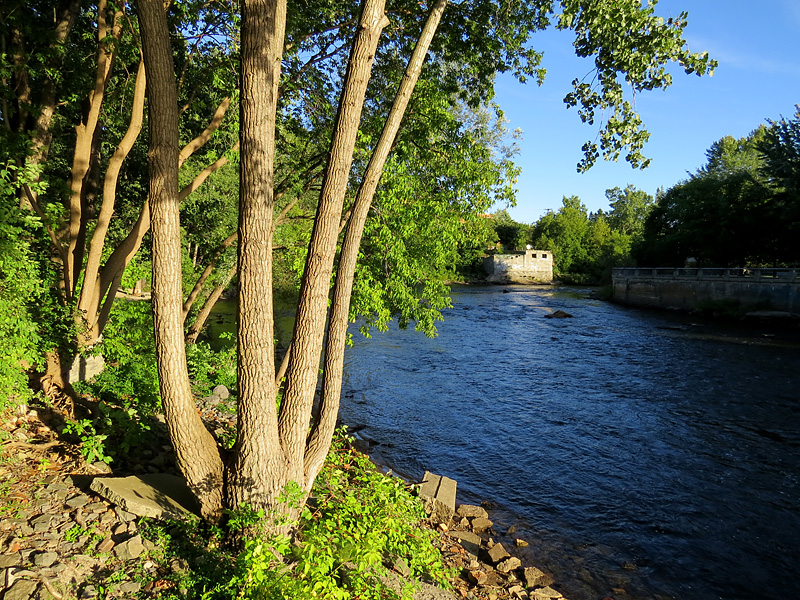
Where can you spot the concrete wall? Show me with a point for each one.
(687, 288)
(531, 266)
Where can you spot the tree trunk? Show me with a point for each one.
(320, 438)
(304, 361)
(259, 468)
(196, 450)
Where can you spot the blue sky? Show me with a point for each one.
(757, 45)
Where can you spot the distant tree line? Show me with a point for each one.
(741, 208)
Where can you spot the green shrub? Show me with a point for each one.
(358, 521)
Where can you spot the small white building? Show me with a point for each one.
(530, 266)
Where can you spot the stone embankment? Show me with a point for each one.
(487, 568)
(70, 531)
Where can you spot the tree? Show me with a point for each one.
(629, 210)
(322, 111)
(566, 234)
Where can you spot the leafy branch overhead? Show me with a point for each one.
(628, 41)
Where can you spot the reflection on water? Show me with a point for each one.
(644, 455)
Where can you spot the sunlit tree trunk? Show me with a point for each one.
(196, 450)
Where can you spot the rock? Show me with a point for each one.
(124, 515)
(545, 593)
(88, 592)
(129, 549)
(497, 553)
(559, 314)
(472, 511)
(401, 567)
(509, 564)
(78, 501)
(22, 589)
(471, 542)
(478, 577)
(535, 577)
(221, 392)
(10, 560)
(481, 524)
(158, 496)
(438, 495)
(521, 543)
(102, 467)
(106, 545)
(517, 592)
(129, 588)
(85, 367)
(45, 559)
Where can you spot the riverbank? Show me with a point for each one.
(59, 539)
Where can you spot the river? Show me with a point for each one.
(642, 454)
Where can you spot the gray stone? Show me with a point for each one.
(102, 467)
(497, 553)
(545, 593)
(129, 549)
(559, 314)
(158, 496)
(438, 495)
(471, 511)
(535, 577)
(78, 501)
(124, 515)
(471, 542)
(509, 564)
(10, 560)
(481, 524)
(45, 559)
(517, 592)
(85, 367)
(221, 392)
(22, 589)
(44, 519)
(129, 587)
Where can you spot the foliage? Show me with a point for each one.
(209, 369)
(427, 207)
(22, 286)
(92, 444)
(357, 521)
(738, 209)
(128, 347)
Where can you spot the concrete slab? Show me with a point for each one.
(159, 496)
(438, 493)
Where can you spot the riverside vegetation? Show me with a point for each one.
(58, 540)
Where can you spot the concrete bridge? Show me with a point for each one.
(750, 289)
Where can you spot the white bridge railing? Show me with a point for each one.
(772, 274)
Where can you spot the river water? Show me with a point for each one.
(642, 454)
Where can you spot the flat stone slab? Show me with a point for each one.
(438, 494)
(158, 496)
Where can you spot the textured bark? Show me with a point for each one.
(303, 369)
(85, 144)
(91, 298)
(320, 439)
(196, 450)
(258, 472)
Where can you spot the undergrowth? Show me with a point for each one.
(356, 525)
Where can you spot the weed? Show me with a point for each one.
(92, 443)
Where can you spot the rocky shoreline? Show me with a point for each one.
(59, 539)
